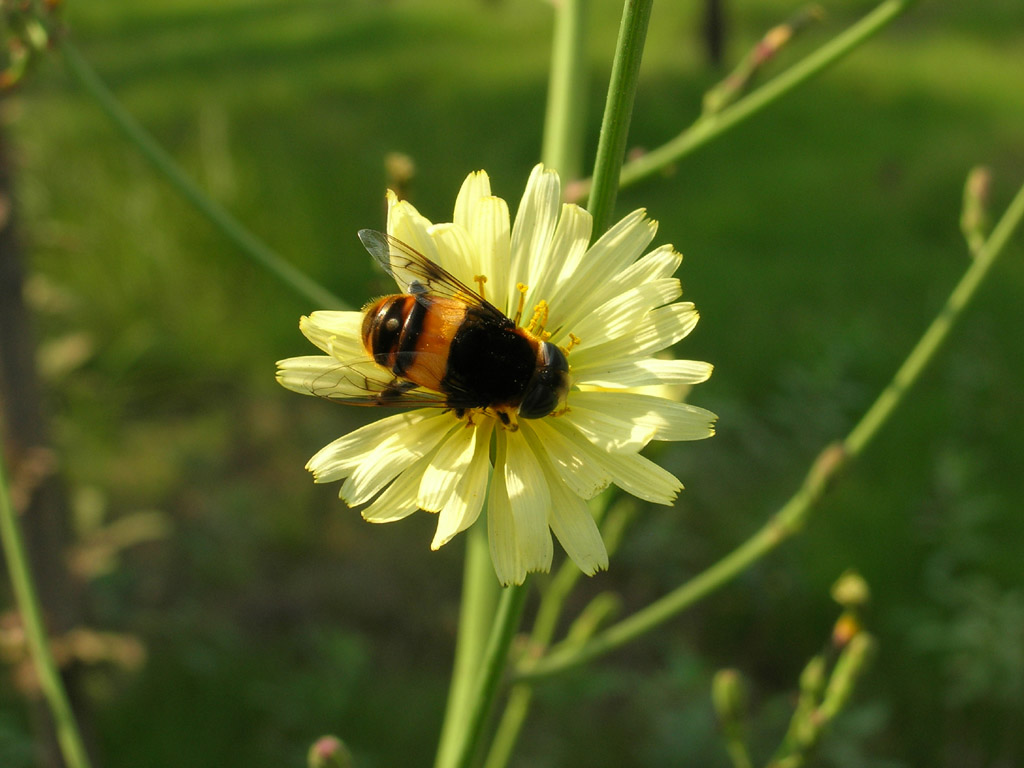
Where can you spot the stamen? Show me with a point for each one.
(522, 301)
(480, 280)
(574, 340)
(539, 319)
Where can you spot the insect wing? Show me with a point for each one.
(360, 382)
(417, 274)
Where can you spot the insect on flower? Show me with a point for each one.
(448, 347)
(525, 395)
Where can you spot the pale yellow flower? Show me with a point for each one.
(618, 302)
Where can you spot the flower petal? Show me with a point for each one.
(393, 455)
(530, 501)
(336, 459)
(476, 186)
(463, 507)
(641, 373)
(625, 312)
(607, 431)
(576, 530)
(531, 234)
(324, 376)
(489, 229)
(446, 469)
(501, 527)
(568, 244)
(336, 333)
(399, 499)
(630, 471)
(669, 420)
(570, 518)
(583, 478)
(408, 225)
(456, 251)
(619, 247)
(662, 328)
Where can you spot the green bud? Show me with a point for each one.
(729, 697)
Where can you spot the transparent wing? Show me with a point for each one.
(418, 275)
(360, 382)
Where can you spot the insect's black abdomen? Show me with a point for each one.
(488, 363)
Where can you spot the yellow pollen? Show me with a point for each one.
(480, 280)
(574, 340)
(522, 288)
(539, 319)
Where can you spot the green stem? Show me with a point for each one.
(618, 110)
(939, 329)
(68, 737)
(495, 660)
(563, 126)
(710, 127)
(248, 243)
(479, 596)
(791, 517)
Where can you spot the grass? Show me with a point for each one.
(819, 240)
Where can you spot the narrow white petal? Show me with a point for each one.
(619, 247)
(615, 433)
(299, 374)
(568, 244)
(456, 251)
(530, 500)
(476, 186)
(463, 507)
(408, 225)
(662, 328)
(336, 459)
(583, 478)
(630, 471)
(324, 376)
(501, 527)
(535, 223)
(336, 333)
(669, 420)
(399, 499)
(625, 312)
(446, 469)
(489, 229)
(641, 373)
(393, 455)
(576, 530)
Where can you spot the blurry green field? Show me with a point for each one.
(820, 238)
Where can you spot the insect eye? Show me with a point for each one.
(548, 386)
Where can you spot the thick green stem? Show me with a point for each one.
(611, 146)
(710, 127)
(489, 674)
(791, 517)
(217, 215)
(68, 737)
(479, 596)
(563, 126)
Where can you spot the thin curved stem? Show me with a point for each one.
(255, 249)
(68, 736)
(709, 127)
(791, 517)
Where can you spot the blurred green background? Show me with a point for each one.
(820, 238)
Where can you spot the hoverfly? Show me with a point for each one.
(443, 345)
